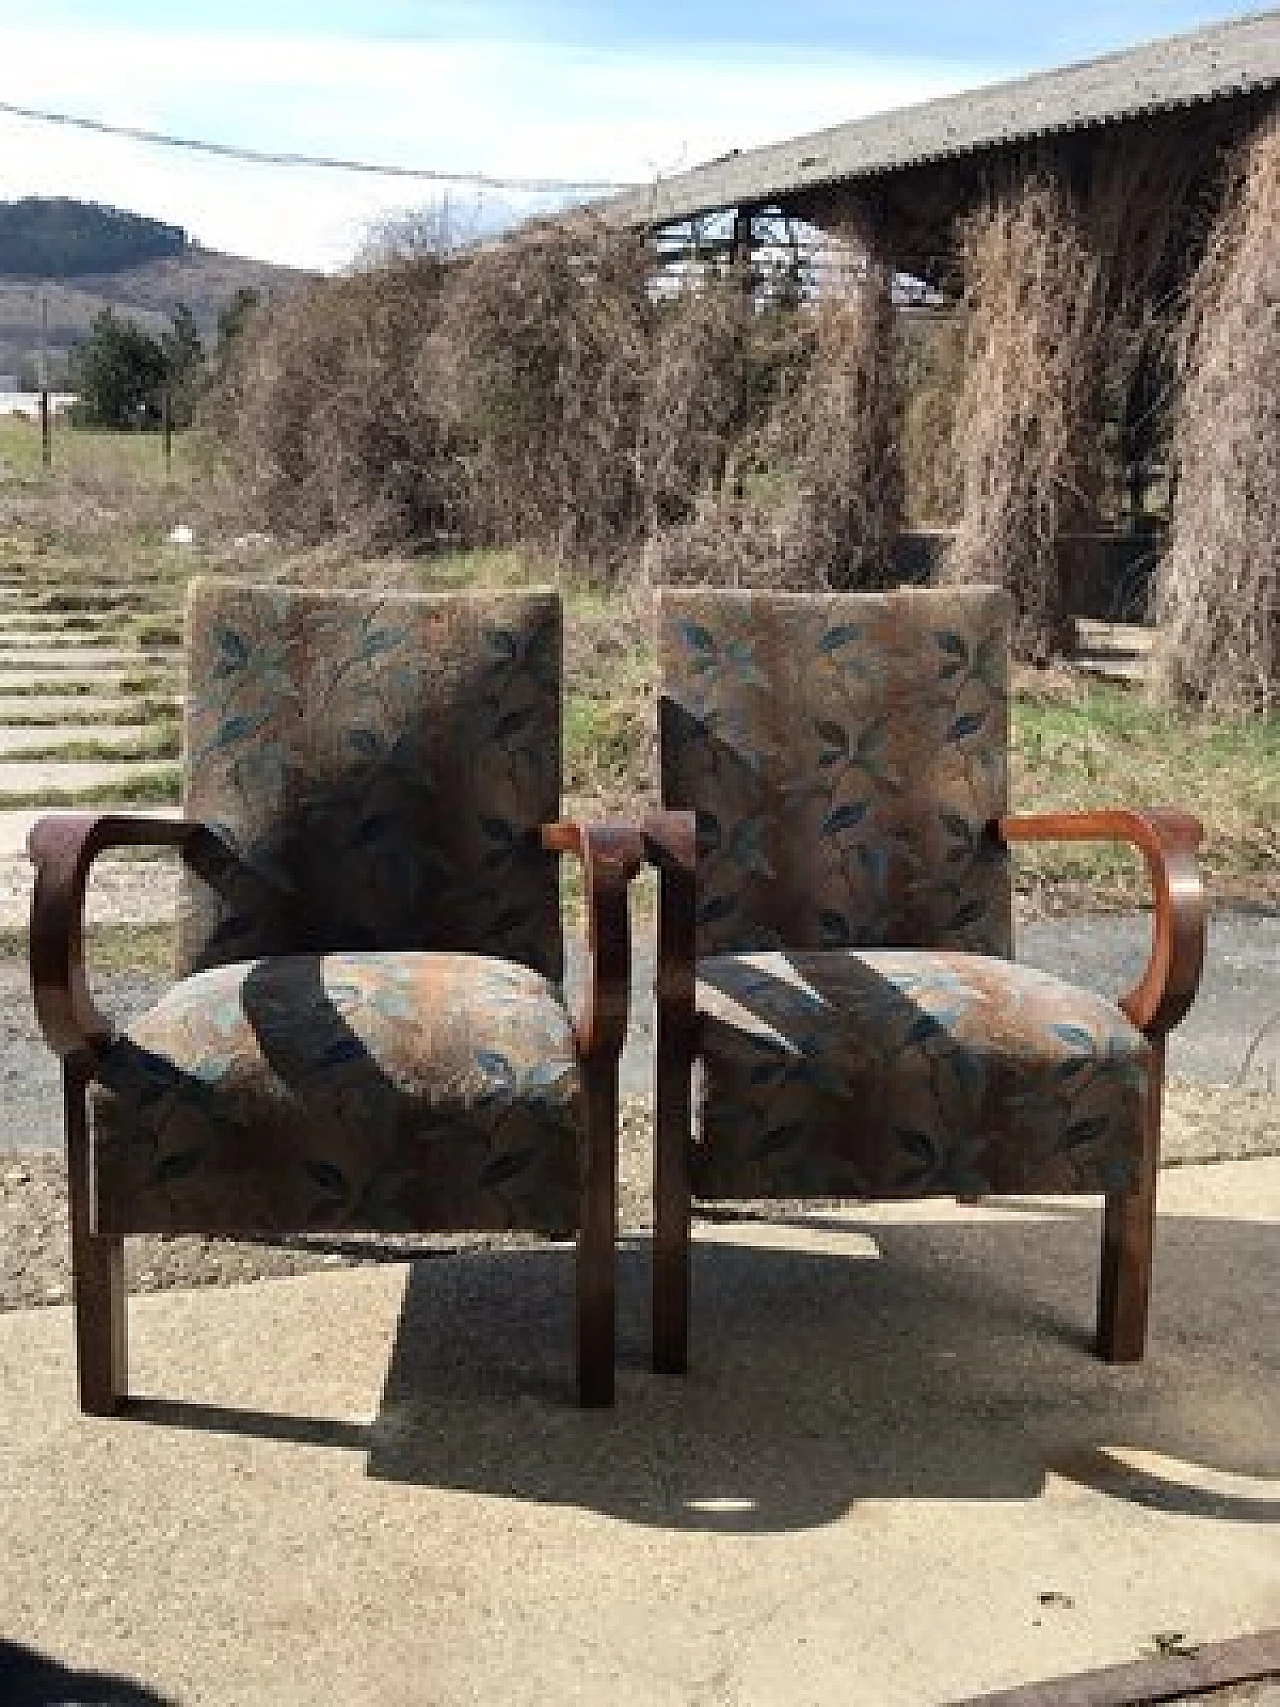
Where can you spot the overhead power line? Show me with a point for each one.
(326, 162)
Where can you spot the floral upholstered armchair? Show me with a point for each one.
(367, 1031)
(835, 937)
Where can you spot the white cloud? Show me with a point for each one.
(504, 108)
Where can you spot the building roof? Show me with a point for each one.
(1239, 57)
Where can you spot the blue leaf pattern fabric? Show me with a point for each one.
(378, 768)
(844, 753)
(861, 1028)
(900, 1073)
(384, 1091)
(367, 1031)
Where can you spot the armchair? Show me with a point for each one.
(368, 1029)
(835, 937)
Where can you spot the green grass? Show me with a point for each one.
(602, 755)
(85, 457)
(146, 683)
(57, 623)
(97, 521)
(158, 631)
(100, 606)
(119, 640)
(451, 571)
(1108, 746)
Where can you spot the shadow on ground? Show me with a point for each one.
(31, 1679)
(851, 1361)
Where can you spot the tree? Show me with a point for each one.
(184, 359)
(119, 373)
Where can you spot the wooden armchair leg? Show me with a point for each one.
(1128, 1239)
(97, 1267)
(672, 1209)
(597, 1238)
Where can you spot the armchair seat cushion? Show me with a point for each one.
(896, 1073)
(382, 1091)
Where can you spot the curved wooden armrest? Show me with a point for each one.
(611, 855)
(671, 844)
(62, 849)
(1167, 841)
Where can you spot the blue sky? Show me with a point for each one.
(1003, 31)
(564, 88)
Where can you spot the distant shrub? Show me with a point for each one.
(119, 374)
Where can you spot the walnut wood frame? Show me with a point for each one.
(63, 848)
(1167, 841)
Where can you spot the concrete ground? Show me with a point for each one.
(894, 1475)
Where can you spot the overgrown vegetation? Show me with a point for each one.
(1075, 742)
(1028, 419)
(1219, 591)
(334, 413)
(545, 409)
(544, 392)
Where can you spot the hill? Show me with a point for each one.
(135, 274)
(58, 238)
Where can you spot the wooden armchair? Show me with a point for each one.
(368, 1029)
(835, 937)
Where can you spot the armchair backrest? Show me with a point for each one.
(844, 753)
(379, 765)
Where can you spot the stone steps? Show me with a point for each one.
(31, 776)
(77, 642)
(79, 711)
(15, 741)
(97, 660)
(1113, 651)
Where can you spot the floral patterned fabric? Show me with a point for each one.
(375, 770)
(381, 1091)
(894, 1073)
(844, 754)
(376, 767)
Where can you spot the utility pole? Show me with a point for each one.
(46, 442)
